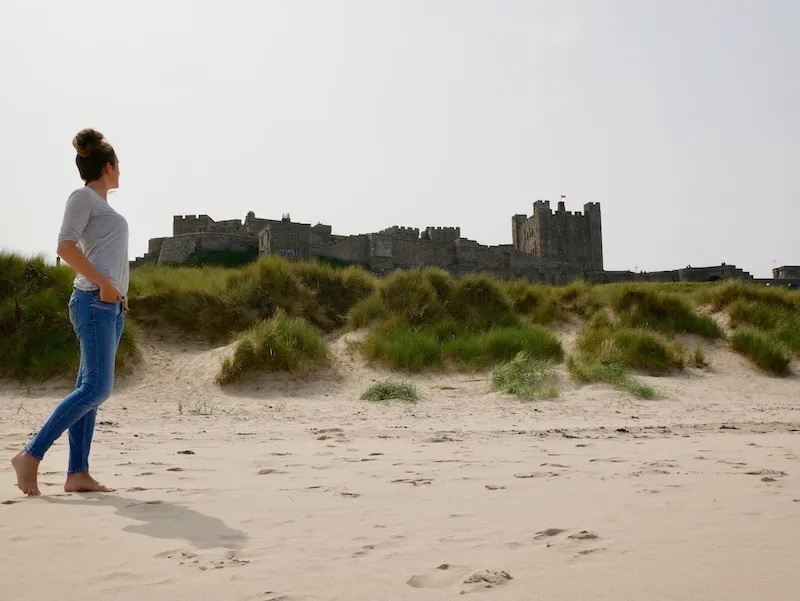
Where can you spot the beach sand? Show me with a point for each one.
(296, 490)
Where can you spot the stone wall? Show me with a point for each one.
(687, 274)
(286, 239)
(410, 233)
(179, 249)
(384, 253)
(195, 224)
(441, 234)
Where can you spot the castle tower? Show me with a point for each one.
(560, 235)
(518, 230)
(591, 210)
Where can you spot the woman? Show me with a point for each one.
(93, 240)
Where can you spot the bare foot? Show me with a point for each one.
(83, 482)
(27, 468)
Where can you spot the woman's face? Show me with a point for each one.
(112, 173)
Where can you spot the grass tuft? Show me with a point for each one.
(414, 349)
(722, 296)
(590, 371)
(337, 291)
(762, 351)
(476, 351)
(653, 309)
(698, 358)
(537, 303)
(279, 343)
(478, 302)
(402, 347)
(635, 348)
(526, 377)
(366, 312)
(410, 296)
(390, 390)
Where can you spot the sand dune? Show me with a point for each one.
(295, 490)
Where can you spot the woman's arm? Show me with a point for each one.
(69, 251)
(77, 214)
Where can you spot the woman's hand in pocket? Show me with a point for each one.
(109, 293)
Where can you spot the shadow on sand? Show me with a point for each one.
(165, 520)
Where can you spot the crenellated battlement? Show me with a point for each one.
(406, 233)
(441, 234)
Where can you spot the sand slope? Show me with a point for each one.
(298, 491)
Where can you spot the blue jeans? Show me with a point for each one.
(98, 325)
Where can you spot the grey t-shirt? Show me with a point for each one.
(101, 234)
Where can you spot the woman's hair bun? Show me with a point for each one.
(86, 141)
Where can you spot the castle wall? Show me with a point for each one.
(154, 245)
(441, 234)
(708, 274)
(409, 233)
(786, 272)
(353, 249)
(384, 253)
(179, 249)
(687, 274)
(321, 234)
(285, 239)
(192, 224)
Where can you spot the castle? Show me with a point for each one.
(551, 247)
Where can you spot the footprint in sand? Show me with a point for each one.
(193, 560)
(413, 481)
(773, 473)
(581, 535)
(536, 475)
(549, 533)
(446, 576)
(584, 535)
(328, 433)
(590, 551)
(364, 550)
(442, 438)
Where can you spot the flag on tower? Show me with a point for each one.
(563, 196)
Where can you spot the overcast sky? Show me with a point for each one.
(681, 117)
